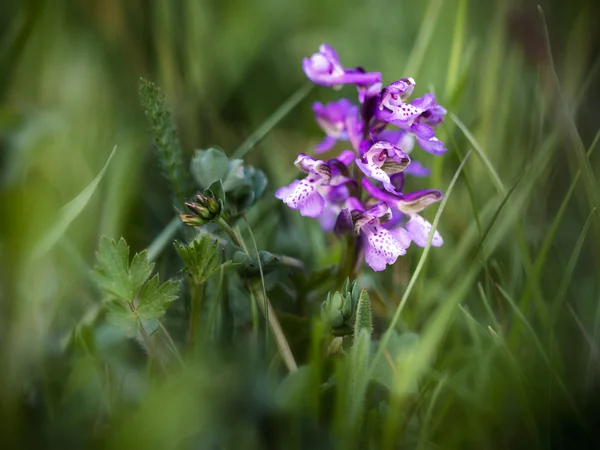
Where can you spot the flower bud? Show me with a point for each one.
(206, 209)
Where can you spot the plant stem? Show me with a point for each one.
(280, 339)
(196, 295)
(265, 305)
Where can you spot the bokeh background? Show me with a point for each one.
(69, 72)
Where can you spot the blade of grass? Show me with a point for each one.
(488, 164)
(428, 25)
(458, 38)
(386, 336)
(164, 238)
(70, 212)
(567, 119)
(540, 347)
(568, 273)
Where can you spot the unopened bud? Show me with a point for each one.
(192, 220)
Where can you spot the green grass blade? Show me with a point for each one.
(567, 119)
(458, 39)
(428, 25)
(539, 346)
(69, 212)
(386, 336)
(568, 273)
(164, 238)
(488, 164)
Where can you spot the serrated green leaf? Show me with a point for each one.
(140, 269)
(208, 166)
(112, 269)
(201, 258)
(120, 315)
(155, 298)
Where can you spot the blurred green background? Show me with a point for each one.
(69, 72)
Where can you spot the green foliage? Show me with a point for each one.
(133, 294)
(243, 185)
(165, 137)
(459, 343)
(338, 310)
(202, 258)
(361, 349)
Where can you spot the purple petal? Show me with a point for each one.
(354, 204)
(313, 205)
(378, 193)
(419, 229)
(343, 224)
(284, 191)
(416, 169)
(346, 157)
(371, 170)
(402, 236)
(325, 144)
(433, 146)
(378, 211)
(382, 248)
(329, 216)
(301, 192)
(422, 131)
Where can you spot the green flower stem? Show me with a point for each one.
(348, 261)
(280, 339)
(265, 305)
(195, 310)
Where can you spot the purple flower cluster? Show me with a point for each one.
(367, 198)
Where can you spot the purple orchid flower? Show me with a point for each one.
(335, 118)
(336, 193)
(304, 194)
(324, 68)
(381, 160)
(433, 114)
(410, 204)
(382, 246)
(331, 190)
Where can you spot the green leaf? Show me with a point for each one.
(112, 272)
(361, 350)
(216, 190)
(397, 347)
(364, 320)
(201, 258)
(292, 392)
(208, 166)
(155, 298)
(69, 212)
(120, 315)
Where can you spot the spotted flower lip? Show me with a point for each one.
(382, 246)
(334, 119)
(410, 204)
(304, 194)
(381, 160)
(324, 68)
